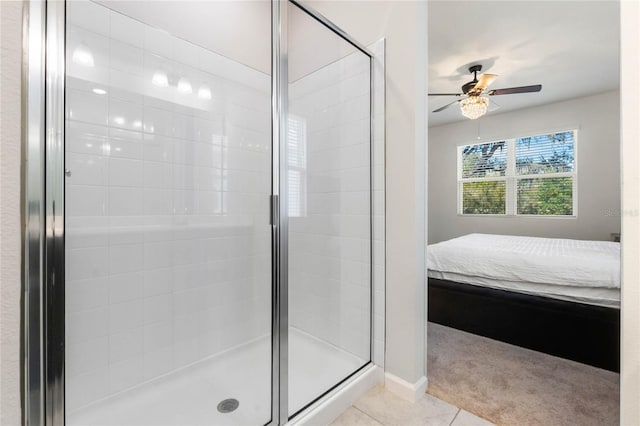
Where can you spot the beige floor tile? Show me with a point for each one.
(465, 418)
(391, 410)
(355, 417)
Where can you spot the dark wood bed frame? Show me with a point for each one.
(585, 333)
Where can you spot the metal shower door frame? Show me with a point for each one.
(43, 195)
(280, 110)
(279, 216)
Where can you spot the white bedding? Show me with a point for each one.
(584, 271)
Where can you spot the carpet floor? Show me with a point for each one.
(509, 385)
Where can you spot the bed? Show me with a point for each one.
(557, 296)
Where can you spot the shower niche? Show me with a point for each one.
(214, 161)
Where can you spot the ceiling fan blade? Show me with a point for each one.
(513, 90)
(484, 82)
(446, 106)
(445, 94)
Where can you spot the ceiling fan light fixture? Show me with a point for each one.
(474, 106)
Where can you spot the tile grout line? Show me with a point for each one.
(455, 417)
(369, 415)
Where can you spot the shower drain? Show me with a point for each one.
(228, 405)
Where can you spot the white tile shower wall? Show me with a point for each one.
(329, 246)
(167, 226)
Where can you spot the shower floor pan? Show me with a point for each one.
(190, 396)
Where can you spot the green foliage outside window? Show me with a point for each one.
(486, 197)
(549, 196)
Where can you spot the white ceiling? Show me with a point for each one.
(570, 47)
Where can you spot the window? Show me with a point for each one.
(534, 175)
(297, 166)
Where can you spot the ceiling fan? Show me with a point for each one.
(475, 102)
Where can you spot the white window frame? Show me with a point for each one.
(511, 179)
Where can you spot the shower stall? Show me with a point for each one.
(200, 211)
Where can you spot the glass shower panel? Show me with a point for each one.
(329, 206)
(168, 242)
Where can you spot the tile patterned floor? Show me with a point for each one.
(380, 407)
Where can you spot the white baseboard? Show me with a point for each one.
(405, 390)
(331, 406)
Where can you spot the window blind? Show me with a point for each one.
(484, 160)
(544, 154)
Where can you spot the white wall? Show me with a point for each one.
(167, 226)
(630, 132)
(598, 164)
(10, 224)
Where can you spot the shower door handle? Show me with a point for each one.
(274, 217)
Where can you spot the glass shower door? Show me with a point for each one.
(328, 183)
(167, 186)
